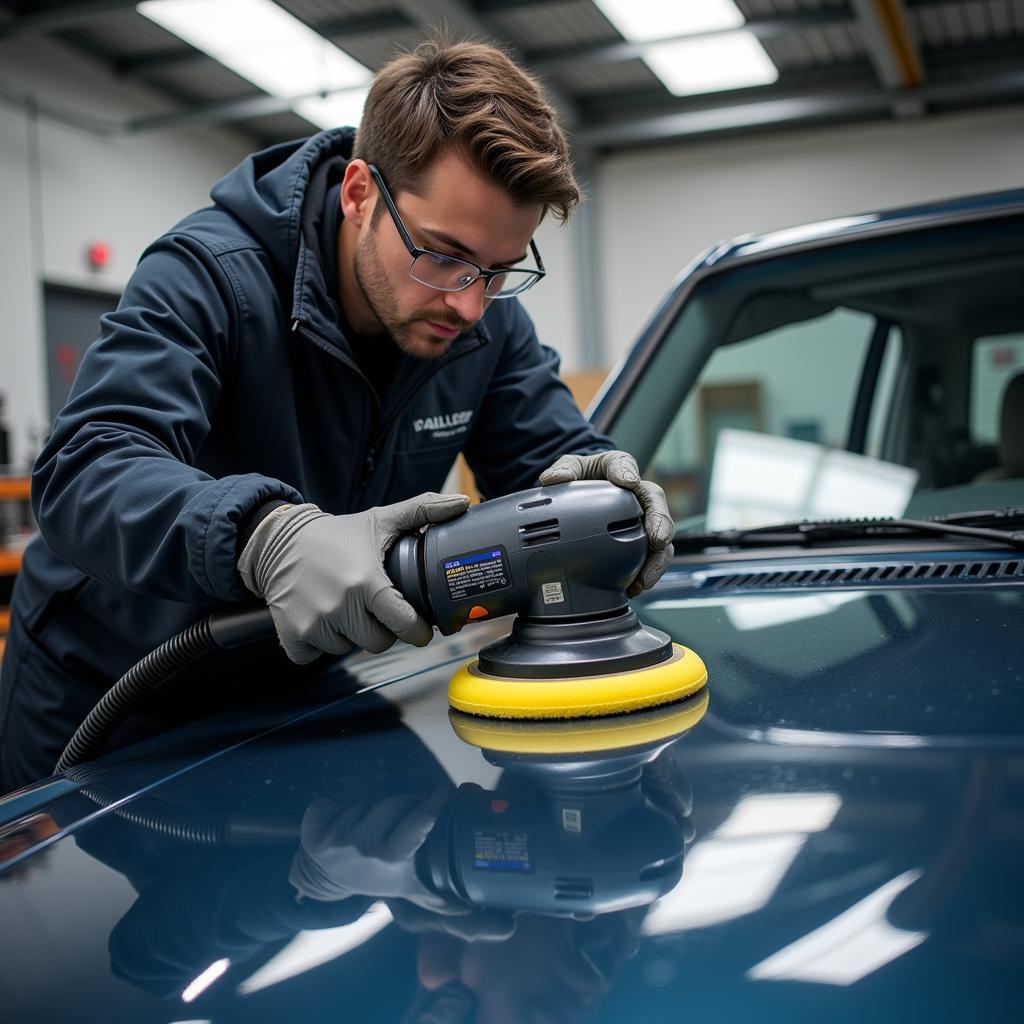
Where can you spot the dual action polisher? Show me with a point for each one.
(560, 557)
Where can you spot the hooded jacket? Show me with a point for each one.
(222, 381)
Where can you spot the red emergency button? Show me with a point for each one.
(478, 611)
(499, 806)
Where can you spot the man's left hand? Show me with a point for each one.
(620, 468)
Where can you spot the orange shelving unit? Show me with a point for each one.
(12, 488)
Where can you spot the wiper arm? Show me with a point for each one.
(1003, 516)
(809, 533)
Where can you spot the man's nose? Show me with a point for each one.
(470, 303)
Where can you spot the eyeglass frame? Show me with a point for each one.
(415, 251)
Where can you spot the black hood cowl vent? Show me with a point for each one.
(870, 574)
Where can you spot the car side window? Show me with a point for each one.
(995, 361)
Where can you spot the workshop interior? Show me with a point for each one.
(511, 510)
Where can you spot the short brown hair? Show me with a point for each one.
(472, 97)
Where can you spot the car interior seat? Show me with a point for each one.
(1011, 434)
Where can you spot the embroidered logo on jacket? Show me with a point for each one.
(448, 425)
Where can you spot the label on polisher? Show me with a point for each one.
(503, 851)
(477, 572)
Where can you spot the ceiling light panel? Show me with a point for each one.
(688, 67)
(703, 63)
(265, 45)
(643, 20)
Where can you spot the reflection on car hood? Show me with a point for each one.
(846, 816)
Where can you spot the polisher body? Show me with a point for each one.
(561, 558)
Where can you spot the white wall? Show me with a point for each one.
(660, 208)
(552, 302)
(122, 190)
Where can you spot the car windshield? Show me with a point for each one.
(866, 378)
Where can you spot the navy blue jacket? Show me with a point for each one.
(223, 380)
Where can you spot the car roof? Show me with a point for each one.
(754, 248)
(857, 226)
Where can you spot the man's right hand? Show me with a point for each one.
(323, 576)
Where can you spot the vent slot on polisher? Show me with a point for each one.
(544, 532)
(573, 888)
(626, 528)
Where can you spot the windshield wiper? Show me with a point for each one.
(809, 532)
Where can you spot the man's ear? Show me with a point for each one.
(358, 193)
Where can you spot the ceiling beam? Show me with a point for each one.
(55, 19)
(550, 61)
(893, 51)
(257, 105)
(598, 109)
(762, 113)
(785, 112)
(964, 56)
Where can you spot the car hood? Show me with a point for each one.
(837, 830)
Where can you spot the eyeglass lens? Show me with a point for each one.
(450, 274)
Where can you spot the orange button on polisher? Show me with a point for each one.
(478, 611)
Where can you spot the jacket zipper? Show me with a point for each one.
(369, 462)
(325, 346)
(385, 425)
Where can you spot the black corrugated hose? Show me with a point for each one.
(193, 825)
(230, 628)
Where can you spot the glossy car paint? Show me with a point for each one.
(856, 803)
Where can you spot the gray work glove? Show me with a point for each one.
(620, 468)
(366, 850)
(324, 580)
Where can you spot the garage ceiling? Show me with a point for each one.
(838, 61)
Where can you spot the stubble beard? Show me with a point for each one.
(379, 294)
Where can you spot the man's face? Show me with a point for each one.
(459, 213)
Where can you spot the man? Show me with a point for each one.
(287, 379)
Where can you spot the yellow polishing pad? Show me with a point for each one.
(473, 691)
(592, 736)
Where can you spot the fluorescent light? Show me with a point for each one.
(268, 47)
(737, 870)
(643, 20)
(849, 947)
(312, 948)
(199, 985)
(336, 109)
(732, 61)
(723, 879)
(772, 813)
(775, 611)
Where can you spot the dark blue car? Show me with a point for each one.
(832, 830)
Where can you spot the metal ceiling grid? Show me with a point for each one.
(205, 81)
(955, 24)
(779, 8)
(538, 27)
(837, 59)
(992, 67)
(375, 49)
(124, 32)
(275, 127)
(816, 47)
(592, 80)
(322, 12)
